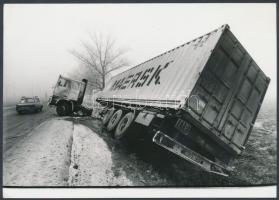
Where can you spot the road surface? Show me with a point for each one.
(16, 126)
(46, 150)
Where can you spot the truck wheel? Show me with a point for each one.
(123, 125)
(62, 109)
(114, 120)
(71, 108)
(107, 116)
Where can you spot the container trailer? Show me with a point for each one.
(199, 100)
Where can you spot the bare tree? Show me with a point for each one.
(87, 72)
(100, 57)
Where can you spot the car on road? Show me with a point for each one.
(29, 104)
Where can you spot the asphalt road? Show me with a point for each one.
(16, 126)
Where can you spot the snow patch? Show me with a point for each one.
(41, 158)
(91, 161)
(259, 125)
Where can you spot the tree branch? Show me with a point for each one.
(100, 56)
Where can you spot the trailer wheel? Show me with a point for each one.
(62, 108)
(114, 120)
(123, 125)
(107, 116)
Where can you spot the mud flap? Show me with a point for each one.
(200, 161)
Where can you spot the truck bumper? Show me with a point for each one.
(177, 148)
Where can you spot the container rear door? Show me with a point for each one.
(229, 92)
(244, 106)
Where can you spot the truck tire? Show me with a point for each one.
(71, 108)
(62, 108)
(114, 120)
(123, 126)
(107, 116)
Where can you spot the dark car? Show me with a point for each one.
(29, 104)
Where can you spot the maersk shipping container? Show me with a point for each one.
(212, 79)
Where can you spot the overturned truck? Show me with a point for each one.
(199, 100)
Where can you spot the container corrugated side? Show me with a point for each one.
(166, 80)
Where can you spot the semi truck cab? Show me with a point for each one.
(68, 95)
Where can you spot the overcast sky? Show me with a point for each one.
(37, 37)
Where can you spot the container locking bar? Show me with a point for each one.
(177, 148)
